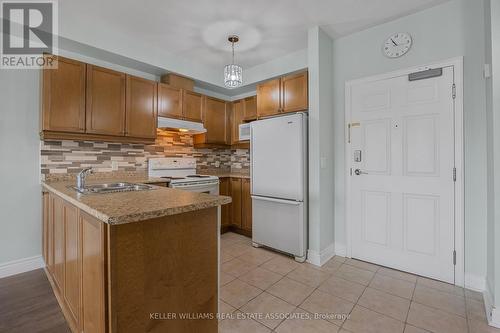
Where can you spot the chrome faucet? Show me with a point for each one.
(80, 178)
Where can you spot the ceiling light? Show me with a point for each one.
(233, 73)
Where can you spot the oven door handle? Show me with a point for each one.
(194, 185)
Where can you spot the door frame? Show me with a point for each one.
(457, 64)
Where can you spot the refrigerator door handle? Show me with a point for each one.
(287, 202)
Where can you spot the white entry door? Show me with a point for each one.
(402, 183)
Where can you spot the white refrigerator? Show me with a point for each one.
(278, 149)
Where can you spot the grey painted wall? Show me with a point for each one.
(20, 197)
(453, 29)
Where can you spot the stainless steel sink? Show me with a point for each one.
(112, 187)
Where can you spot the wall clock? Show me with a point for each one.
(397, 45)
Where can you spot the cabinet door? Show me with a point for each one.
(72, 257)
(236, 204)
(57, 210)
(63, 97)
(47, 232)
(192, 106)
(269, 98)
(294, 93)
(215, 119)
(105, 101)
(141, 108)
(250, 108)
(224, 189)
(93, 279)
(246, 205)
(236, 120)
(169, 101)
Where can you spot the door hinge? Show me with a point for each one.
(454, 91)
(454, 257)
(454, 174)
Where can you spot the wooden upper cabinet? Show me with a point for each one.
(294, 92)
(246, 205)
(141, 112)
(269, 98)
(63, 97)
(236, 203)
(215, 120)
(169, 101)
(236, 120)
(106, 90)
(192, 105)
(250, 108)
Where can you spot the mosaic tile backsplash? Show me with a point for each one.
(64, 156)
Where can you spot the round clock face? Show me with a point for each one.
(397, 45)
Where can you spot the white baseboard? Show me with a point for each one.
(340, 250)
(320, 258)
(475, 282)
(492, 312)
(20, 266)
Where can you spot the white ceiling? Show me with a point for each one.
(197, 30)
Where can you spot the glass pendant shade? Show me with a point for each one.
(233, 76)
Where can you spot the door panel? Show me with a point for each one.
(58, 220)
(250, 108)
(105, 101)
(72, 260)
(402, 201)
(269, 98)
(141, 108)
(294, 93)
(246, 205)
(277, 157)
(93, 281)
(192, 106)
(64, 96)
(236, 120)
(236, 203)
(226, 210)
(215, 121)
(169, 101)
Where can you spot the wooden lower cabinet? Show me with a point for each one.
(77, 273)
(111, 278)
(238, 214)
(93, 233)
(236, 204)
(246, 205)
(226, 210)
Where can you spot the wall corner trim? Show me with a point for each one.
(320, 258)
(492, 312)
(21, 265)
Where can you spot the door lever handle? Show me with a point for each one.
(358, 172)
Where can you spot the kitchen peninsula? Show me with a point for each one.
(133, 261)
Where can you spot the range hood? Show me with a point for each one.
(189, 127)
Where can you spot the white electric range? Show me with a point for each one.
(182, 174)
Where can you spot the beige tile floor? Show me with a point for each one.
(263, 291)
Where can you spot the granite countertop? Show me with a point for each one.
(225, 173)
(127, 207)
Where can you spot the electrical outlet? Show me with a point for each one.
(114, 165)
(487, 71)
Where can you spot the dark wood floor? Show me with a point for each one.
(27, 304)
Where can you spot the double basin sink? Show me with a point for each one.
(112, 187)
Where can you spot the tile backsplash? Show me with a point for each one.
(65, 156)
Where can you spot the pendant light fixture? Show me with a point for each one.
(233, 73)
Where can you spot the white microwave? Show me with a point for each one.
(244, 131)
